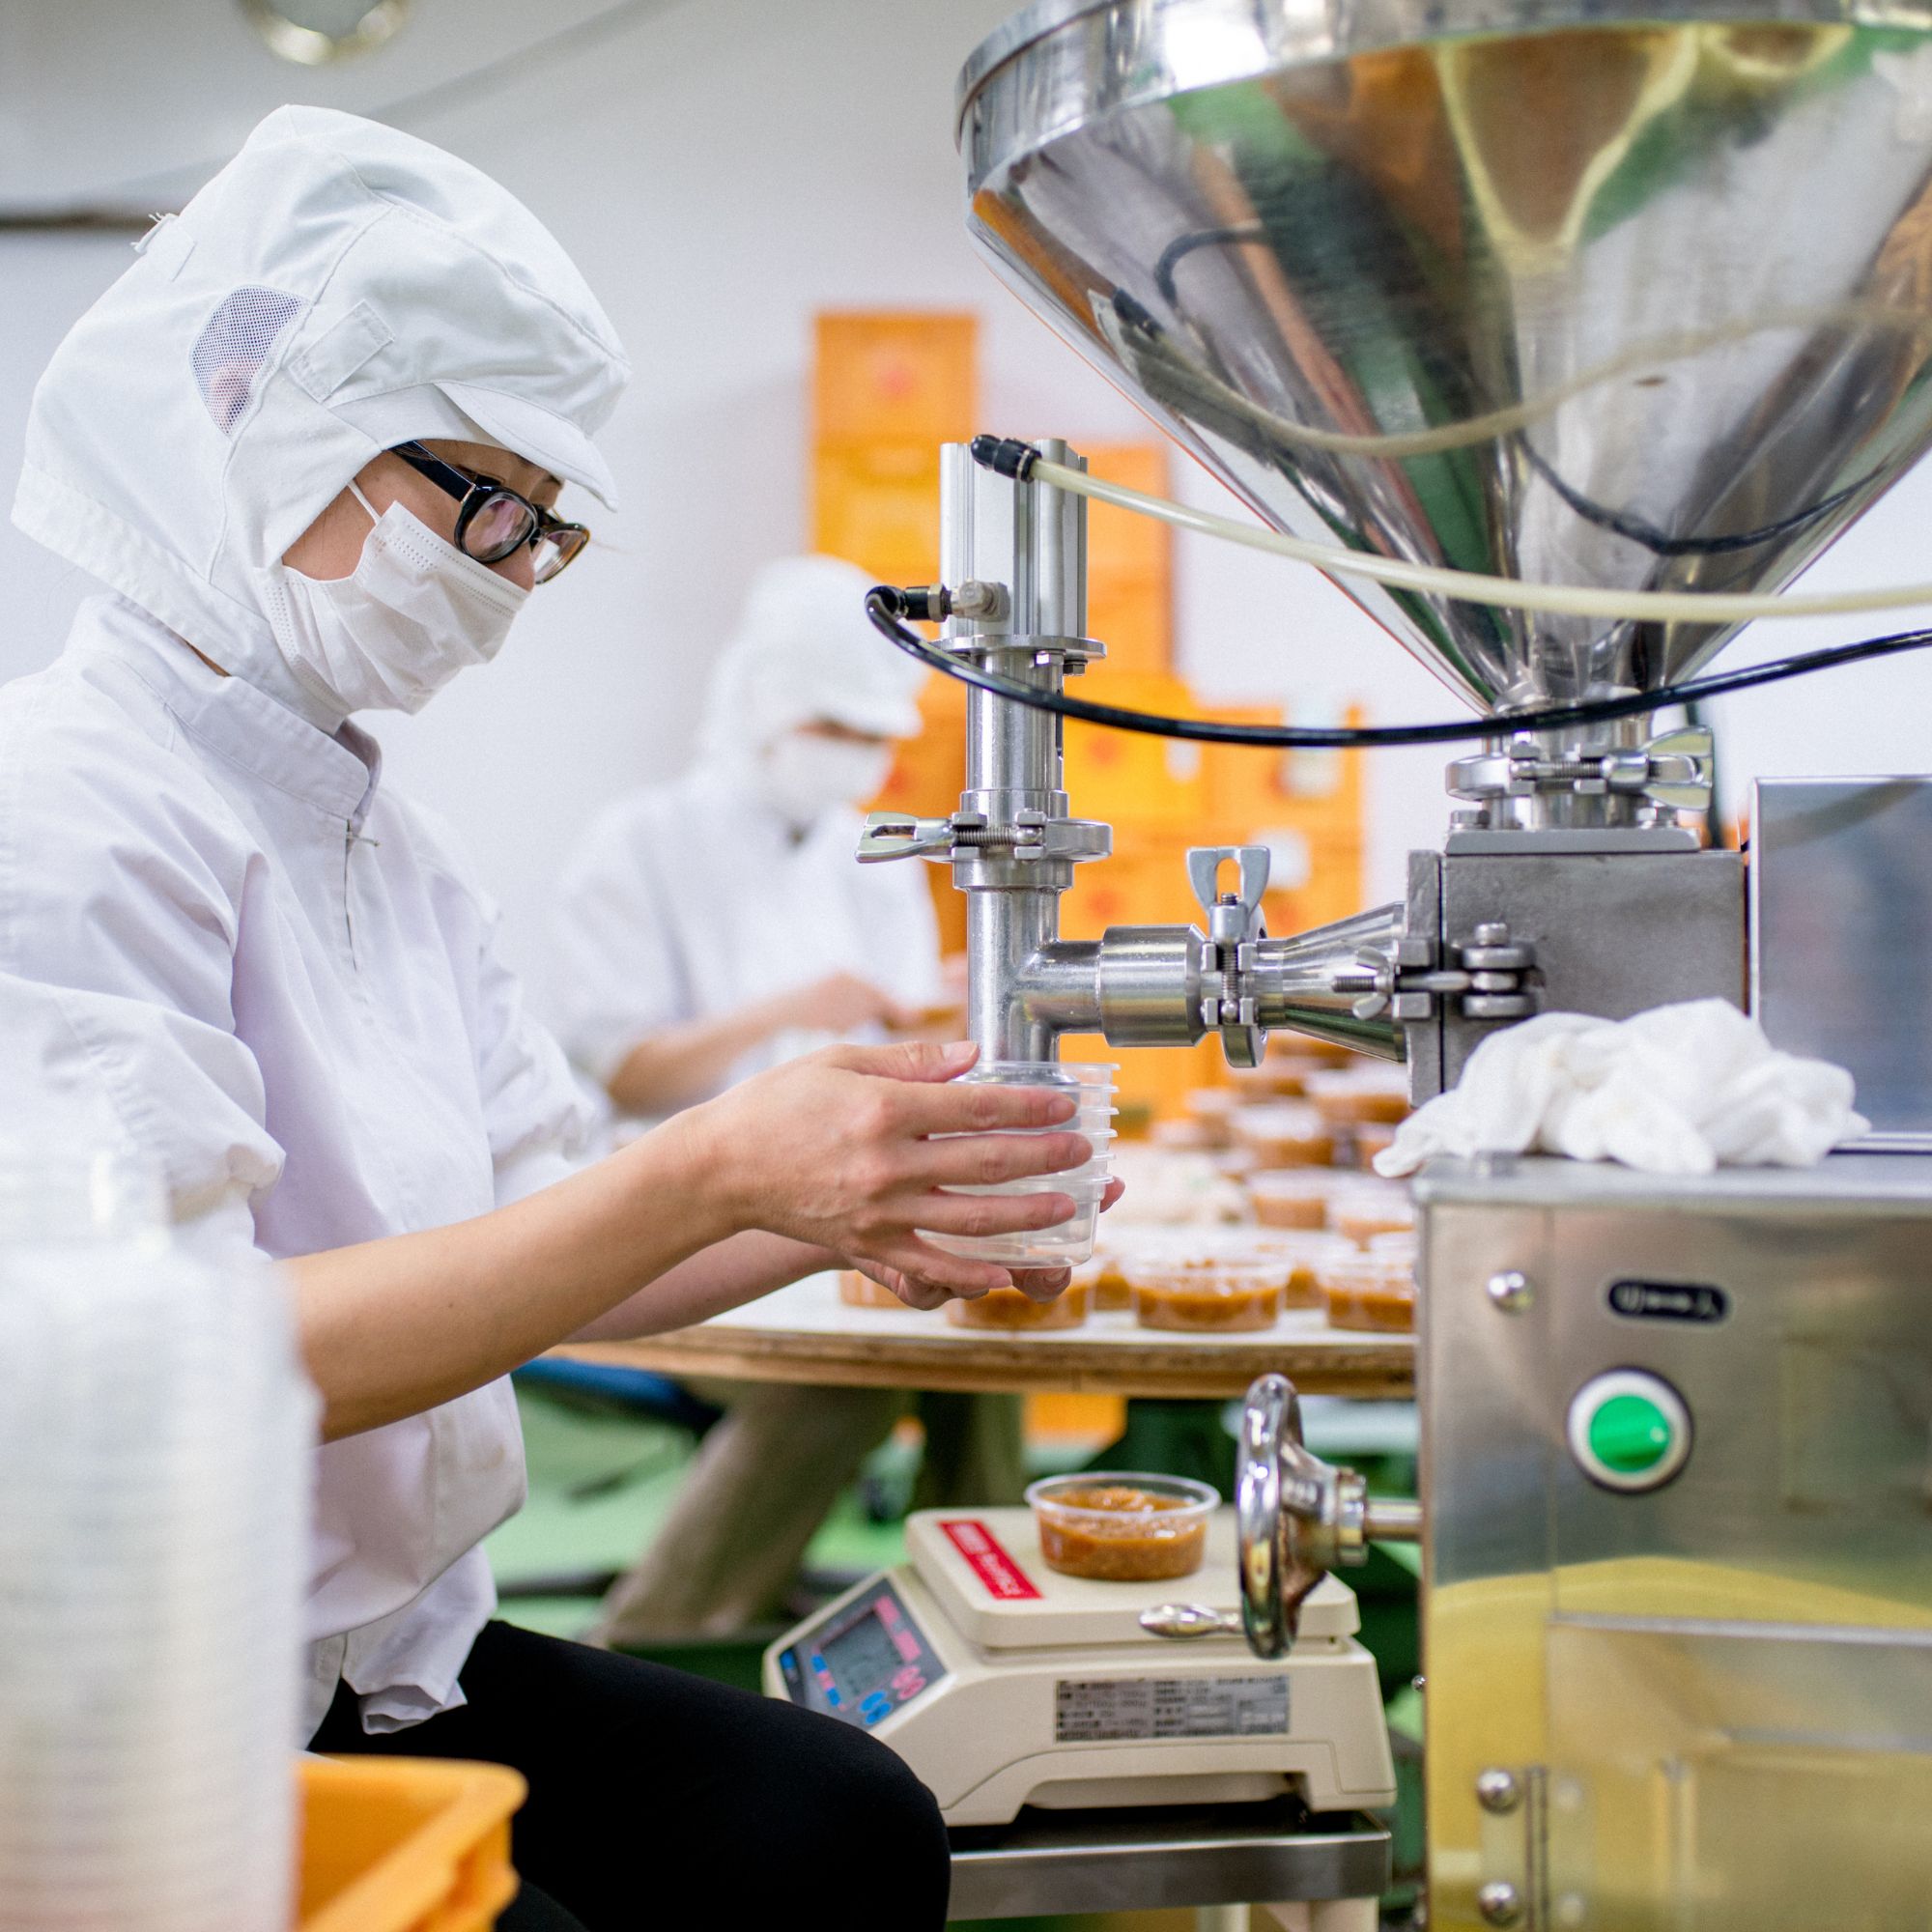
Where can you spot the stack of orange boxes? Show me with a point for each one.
(890, 389)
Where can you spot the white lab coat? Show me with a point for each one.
(220, 944)
(692, 899)
(223, 946)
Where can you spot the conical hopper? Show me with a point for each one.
(1644, 303)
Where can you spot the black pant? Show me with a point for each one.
(658, 1799)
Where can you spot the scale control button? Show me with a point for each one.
(1628, 1430)
(832, 1697)
(876, 1706)
(908, 1684)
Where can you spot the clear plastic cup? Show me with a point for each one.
(1122, 1528)
(1301, 1254)
(1200, 1292)
(1363, 1209)
(1358, 1094)
(1285, 1133)
(1211, 1108)
(1370, 1291)
(1091, 1087)
(1291, 1197)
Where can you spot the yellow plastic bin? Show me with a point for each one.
(405, 1844)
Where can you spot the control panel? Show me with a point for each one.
(865, 1659)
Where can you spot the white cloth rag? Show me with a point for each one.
(1678, 1089)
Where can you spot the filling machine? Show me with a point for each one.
(1567, 332)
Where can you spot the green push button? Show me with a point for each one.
(1630, 1430)
(1631, 1434)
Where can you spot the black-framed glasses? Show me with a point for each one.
(493, 520)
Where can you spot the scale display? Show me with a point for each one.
(863, 1662)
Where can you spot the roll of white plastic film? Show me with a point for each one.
(156, 1432)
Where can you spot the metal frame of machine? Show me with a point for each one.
(1564, 294)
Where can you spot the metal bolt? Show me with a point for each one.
(1497, 1790)
(1510, 1291)
(1492, 933)
(1499, 1903)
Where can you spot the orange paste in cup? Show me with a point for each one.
(1208, 1298)
(1116, 1536)
(1370, 1291)
(1008, 1308)
(1379, 1309)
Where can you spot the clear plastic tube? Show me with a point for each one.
(1508, 593)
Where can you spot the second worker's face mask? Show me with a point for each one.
(389, 636)
(806, 774)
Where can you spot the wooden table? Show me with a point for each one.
(804, 1333)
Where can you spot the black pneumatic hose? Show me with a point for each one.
(888, 607)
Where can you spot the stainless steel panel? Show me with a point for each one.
(1716, 1697)
(1054, 1862)
(1614, 933)
(1842, 934)
(1736, 1781)
(1573, 292)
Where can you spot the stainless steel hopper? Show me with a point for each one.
(1637, 297)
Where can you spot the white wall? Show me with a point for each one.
(721, 173)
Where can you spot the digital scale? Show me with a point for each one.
(1004, 1683)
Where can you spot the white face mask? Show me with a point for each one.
(388, 638)
(804, 775)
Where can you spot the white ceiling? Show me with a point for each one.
(126, 105)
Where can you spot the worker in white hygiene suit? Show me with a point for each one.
(714, 925)
(312, 442)
(709, 928)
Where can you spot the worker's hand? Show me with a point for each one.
(849, 1150)
(841, 1003)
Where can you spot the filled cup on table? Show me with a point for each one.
(1008, 1309)
(1285, 1133)
(1372, 1287)
(1122, 1528)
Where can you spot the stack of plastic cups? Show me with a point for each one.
(155, 1433)
(1068, 1242)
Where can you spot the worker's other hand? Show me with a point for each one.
(851, 1150)
(1037, 1284)
(841, 1003)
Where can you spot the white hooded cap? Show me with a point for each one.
(803, 649)
(338, 288)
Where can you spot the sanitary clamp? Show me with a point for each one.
(1673, 771)
(1487, 978)
(1031, 835)
(1228, 1001)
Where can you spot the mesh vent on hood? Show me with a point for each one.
(233, 345)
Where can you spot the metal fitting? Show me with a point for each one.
(1499, 1903)
(1497, 1791)
(1512, 1292)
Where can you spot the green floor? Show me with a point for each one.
(600, 1483)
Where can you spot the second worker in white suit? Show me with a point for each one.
(717, 925)
(710, 927)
